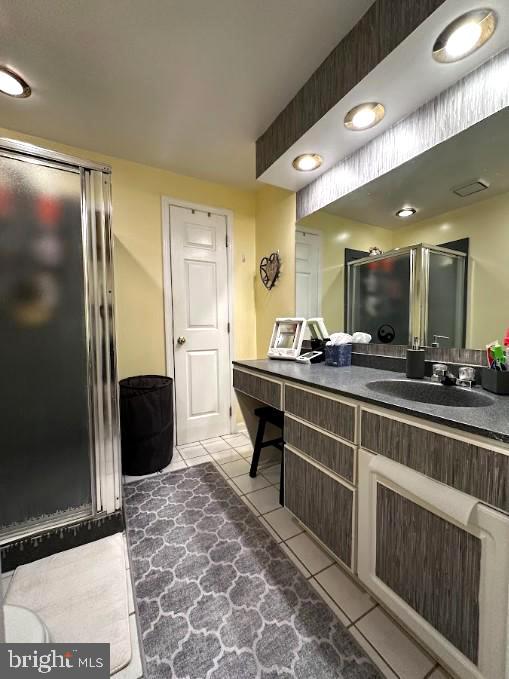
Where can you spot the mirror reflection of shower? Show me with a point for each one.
(410, 292)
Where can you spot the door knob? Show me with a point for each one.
(181, 340)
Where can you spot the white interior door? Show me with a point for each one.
(199, 273)
(307, 274)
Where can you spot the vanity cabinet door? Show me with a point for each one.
(329, 451)
(439, 561)
(327, 413)
(324, 505)
(260, 388)
(431, 564)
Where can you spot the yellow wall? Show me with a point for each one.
(275, 230)
(339, 233)
(137, 192)
(487, 225)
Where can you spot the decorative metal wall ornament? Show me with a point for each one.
(270, 268)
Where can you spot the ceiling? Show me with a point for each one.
(186, 85)
(426, 182)
(405, 80)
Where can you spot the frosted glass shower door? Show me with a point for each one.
(379, 298)
(45, 438)
(446, 299)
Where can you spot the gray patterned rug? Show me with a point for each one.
(217, 597)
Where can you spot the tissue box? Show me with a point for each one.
(339, 356)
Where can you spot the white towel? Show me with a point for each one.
(361, 338)
(338, 338)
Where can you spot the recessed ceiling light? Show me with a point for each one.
(465, 35)
(364, 116)
(13, 84)
(406, 212)
(307, 162)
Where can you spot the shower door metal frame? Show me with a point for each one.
(425, 254)
(103, 403)
(418, 285)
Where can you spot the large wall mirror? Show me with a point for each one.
(443, 271)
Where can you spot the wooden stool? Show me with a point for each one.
(276, 418)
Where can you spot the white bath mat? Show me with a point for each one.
(80, 595)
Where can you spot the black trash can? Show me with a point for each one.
(146, 423)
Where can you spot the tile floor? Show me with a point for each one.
(396, 654)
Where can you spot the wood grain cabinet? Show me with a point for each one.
(468, 467)
(325, 412)
(439, 560)
(323, 504)
(329, 451)
(263, 389)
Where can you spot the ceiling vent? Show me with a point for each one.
(470, 188)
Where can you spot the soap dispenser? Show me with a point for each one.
(415, 366)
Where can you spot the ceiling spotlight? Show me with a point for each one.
(307, 162)
(406, 212)
(364, 116)
(465, 35)
(13, 84)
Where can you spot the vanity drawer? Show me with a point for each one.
(327, 413)
(324, 505)
(267, 391)
(337, 456)
(473, 469)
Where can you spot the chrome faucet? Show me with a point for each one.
(466, 376)
(435, 344)
(442, 374)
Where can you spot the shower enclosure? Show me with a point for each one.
(416, 291)
(58, 384)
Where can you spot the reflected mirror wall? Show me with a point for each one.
(460, 190)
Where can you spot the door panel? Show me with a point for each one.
(200, 236)
(323, 504)
(202, 295)
(304, 293)
(439, 561)
(307, 274)
(199, 267)
(203, 401)
(433, 565)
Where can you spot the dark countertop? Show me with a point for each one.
(491, 421)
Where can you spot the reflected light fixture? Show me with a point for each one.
(406, 212)
(13, 84)
(364, 116)
(307, 162)
(465, 35)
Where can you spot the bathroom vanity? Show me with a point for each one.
(409, 493)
